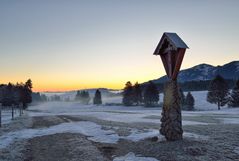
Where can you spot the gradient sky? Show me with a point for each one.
(73, 44)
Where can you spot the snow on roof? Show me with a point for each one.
(172, 41)
(175, 39)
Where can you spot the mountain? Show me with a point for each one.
(206, 72)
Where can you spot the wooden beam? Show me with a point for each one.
(179, 59)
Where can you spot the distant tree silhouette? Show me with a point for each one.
(234, 96)
(78, 96)
(56, 98)
(189, 102)
(7, 95)
(97, 99)
(137, 94)
(36, 97)
(26, 93)
(16, 95)
(83, 97)
(182, 98)
(43, 98)
(218, 92)
(128, 95)
(151, 95)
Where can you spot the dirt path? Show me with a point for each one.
(62, 147)
(223, 139)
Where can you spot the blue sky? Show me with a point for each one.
(69, 44)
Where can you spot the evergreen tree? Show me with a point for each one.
(43, 98)
(234, 96)
(182, 98)
(218, 92)
(189, 102)
(97, 99)
(128, 96)
(56, 98)
(8, 97)
(137, 94)
(77, 97)
(151, 94)
(16, 94)
(26, 93)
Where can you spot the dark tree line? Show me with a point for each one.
(218, 93)
(83, 97)
(201, 85)
(16, 94)
(134, 94)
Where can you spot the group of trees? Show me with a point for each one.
(218, 93)
(149, 96)
(134, 94)
(83, 97)
(37, 97)
(16, 94)
(187, 103)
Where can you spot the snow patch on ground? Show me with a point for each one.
(230, 120)
(93, 131)
(107, 113)
(90, 129)
(236, 150)
(132, 157)
(7, 116)
(137, 135)
(195, 136)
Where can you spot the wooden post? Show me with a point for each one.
(171, 126)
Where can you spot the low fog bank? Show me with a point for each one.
(115, 98)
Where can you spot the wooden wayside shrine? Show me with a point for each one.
(171, 49)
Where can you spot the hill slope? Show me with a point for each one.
(206, 72)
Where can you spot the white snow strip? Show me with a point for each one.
(236, 150)
(90, 129)
(137, 135)
(230, 120)
(93, 131)
(195, 136)
(184, 122)
(132, 157)
(138, 115)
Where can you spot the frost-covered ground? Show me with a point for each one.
(7, 115)
(71, 131)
